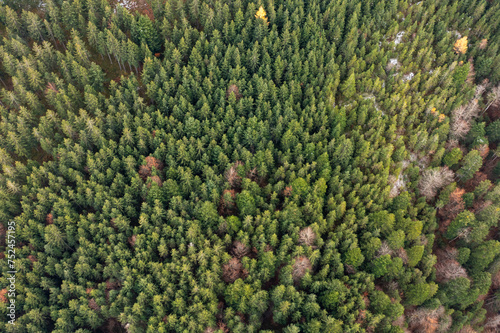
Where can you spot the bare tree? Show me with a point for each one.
(461, 117)
(434, 179)
(493, 96)
(307, 236)
(450, 269)
(300, 267)
(384, 249)
(424, 320)
(493, 322)
(232, 175)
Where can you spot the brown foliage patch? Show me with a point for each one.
(49, 219)
(155, 179)
(287, 191)
(112, 325)
(239, 250)
(233, 89)
(483, 44)
(32, 258)
(471, 184)
(233, 270)
(154, 162)
(2, 234)
(222, 326)
(227, 204)
(300, 267)
(51, 87)
(145, 170)
(93, 305)
(139, 6)
(495, 280)
(455, 205)
(132, 239)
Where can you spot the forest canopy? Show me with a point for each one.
(237, 166)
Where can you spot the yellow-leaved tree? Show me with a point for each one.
(261, 14)
(460, 45)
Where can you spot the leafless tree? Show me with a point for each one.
(493, 322)
(384, 249)
(461, 117)
(434, 179)
(307, 236)
(300, 267)
(424, 320)
(450, 269)
(232, 175)
(493, 96)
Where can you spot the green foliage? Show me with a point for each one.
(380, 265)
(471, 163)
(383, 220)
(483, 255)
(396, 239)
(463, 255)
(457, 227)
(233, 223)
(354, 257)
(186, 166)
(414, 255)
(493, 131)
(460, 74)
(453, 157)
(143, 31)
(418, 293)
(246, 203)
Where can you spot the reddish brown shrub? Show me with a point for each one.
(49, 219)
(3, 299)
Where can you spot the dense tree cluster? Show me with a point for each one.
(231, 166)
